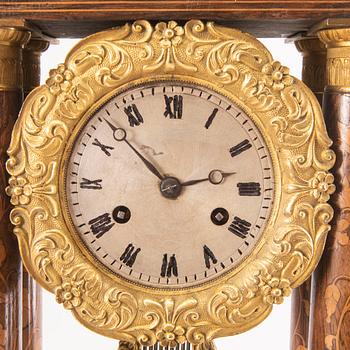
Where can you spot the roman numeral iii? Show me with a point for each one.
(249, 189)
(129, 255)
(208, 257)
(91, 184)
(101, 224)
(133, 114)
(241, 147)
(173, 107)
(240, 227)
(169, 266)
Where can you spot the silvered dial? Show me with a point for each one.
(169, 185)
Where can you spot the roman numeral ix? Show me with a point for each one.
(129, 255)
(208, 256)
(104, 148)
(101, 224)
(241, 147)
(169, 267)
(173, 107)
(91, 184)
(239, 227)
(249, 189)
(133, 114)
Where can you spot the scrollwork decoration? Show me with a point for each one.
(237, 66)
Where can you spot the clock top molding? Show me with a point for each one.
(75, 19)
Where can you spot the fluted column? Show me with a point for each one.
(31, 291)
(12, 41)
(330, 299)
(313, 75)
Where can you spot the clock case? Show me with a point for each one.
(235, 65)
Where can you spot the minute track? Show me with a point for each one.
(152, 228)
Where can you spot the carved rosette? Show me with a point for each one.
(236, 65)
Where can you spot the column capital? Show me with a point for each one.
(31, 58)
(336, 37)
(314, 54)
(12, 41)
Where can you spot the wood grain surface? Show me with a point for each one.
(314, 76)
(330, 302)
(272, 18)
(10, 262)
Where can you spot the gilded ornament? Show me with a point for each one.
(227, 61)
(275, 290)
(60, 80)
(69, 294)
(276, 76)
(323, 186)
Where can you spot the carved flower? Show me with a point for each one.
(169, 34)
(60, 79)
(275, 290)
(322, 184)
(19, 190)
(276, 75)
(171, 335)
(70, 294)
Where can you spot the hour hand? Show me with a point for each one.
(215, 177)
(119, 134)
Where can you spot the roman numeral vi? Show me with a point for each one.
(169, 267)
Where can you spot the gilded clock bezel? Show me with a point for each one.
(234, 63)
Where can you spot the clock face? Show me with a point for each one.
(170, 185)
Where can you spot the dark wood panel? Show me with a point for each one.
(330, 302)
(261, 18)
(10, 262)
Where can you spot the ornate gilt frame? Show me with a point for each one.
(239, 67)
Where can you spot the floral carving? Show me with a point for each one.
(276, 76)
(322, 186)
(171, 335)
(60, 80)
(70, 294)
(166, 316)
(170, 34)
(19, 190)
(274, 290)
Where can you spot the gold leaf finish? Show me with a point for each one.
(231, 63)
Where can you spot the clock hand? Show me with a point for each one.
(215, 177)
(119, 134)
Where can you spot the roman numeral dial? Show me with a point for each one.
(210, 160)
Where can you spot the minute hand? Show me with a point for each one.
(148, 164)
(119, 135)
